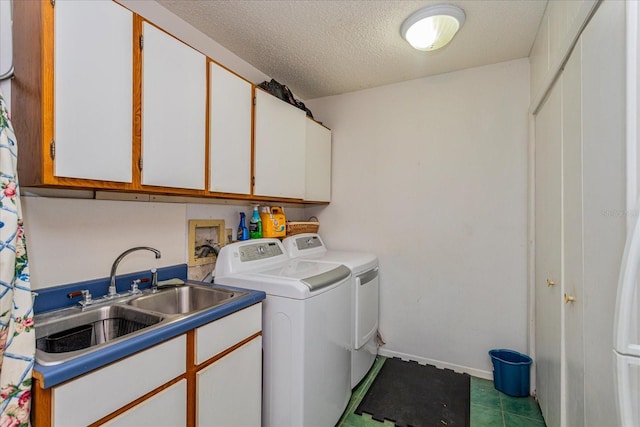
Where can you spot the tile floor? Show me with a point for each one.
(489, 407)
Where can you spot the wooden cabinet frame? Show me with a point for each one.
(33, 102)
(33, 97)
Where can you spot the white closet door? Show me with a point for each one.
(572, 205)
(604, 200)
(173, 112)
(279, 148)
(318, 163)
(230, 104)
(93, 90)
(548, 293)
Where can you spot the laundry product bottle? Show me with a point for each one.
(243, 231)
(267, 222)
(255, 224)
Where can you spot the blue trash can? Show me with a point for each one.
(511, 372)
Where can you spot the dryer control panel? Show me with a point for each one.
(308, 242)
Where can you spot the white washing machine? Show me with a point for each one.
(306, 338)
(365, 288)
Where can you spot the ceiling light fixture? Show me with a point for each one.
(432, 27)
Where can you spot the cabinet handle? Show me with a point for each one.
(550, 282)
(569, 298)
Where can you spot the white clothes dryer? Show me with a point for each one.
(306, 338)
(365, 288)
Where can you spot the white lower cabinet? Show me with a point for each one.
(93, 396)
(229, 390)
(216, 337)
(229, 376)
(165, 409)
(221, 385)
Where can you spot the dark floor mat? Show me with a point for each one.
(410, 394)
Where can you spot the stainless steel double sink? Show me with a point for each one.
(69, 333)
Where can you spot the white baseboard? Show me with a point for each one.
(487, 375)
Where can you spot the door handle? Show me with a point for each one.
(550, 282)
(569, 298)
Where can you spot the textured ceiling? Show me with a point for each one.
(327, 47)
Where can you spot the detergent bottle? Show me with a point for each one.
(267, 222)
(255, 224)
(279, 221)
(273, 222)
(243, 232)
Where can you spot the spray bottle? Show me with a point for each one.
(243, 232)
(255, 224)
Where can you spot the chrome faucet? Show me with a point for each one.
(112, 284)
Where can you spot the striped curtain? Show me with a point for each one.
(17, 334)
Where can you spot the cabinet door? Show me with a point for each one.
(230, 107)
(215, 337)
(318, 163)
(167, 408)
(229, 391)
(173, 112)
(548, 296)
(279, 148)
(93, 90)
(111, 387)
(572, 230)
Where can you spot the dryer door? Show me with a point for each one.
(367, 286)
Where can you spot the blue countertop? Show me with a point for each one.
(55, 298)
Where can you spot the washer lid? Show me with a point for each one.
(298, 279)
(320, 281)
(356, 261)
(263, 264)
(314, 275)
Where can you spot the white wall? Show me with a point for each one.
(73, 240)
(431, 175)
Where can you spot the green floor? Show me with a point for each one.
(489, 407)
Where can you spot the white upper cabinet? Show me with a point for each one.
(93, 86)
(230, 104)
(280, 129)
(174, 86)
(318, 163)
